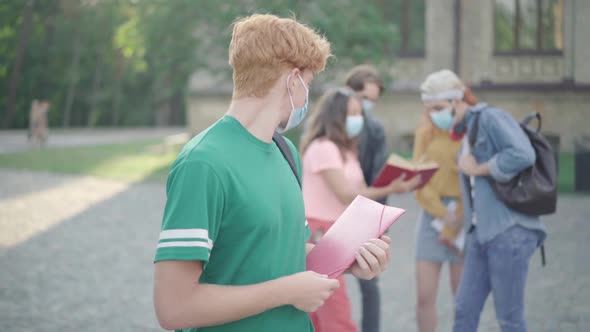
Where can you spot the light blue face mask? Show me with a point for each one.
(354, 125)
(443, 119)
(297, 114)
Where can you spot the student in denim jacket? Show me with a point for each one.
(501, 240)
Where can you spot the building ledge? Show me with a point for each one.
(565, 85)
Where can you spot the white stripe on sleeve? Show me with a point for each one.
(185, 244)
(187, 233)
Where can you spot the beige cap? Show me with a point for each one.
(442, 85)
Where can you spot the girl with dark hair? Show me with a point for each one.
(332, 178)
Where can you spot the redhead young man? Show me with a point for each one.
(231, 253)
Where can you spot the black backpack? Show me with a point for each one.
(534, 190)
(286, 151)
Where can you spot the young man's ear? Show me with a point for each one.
(292, 77)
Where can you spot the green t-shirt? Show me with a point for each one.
(234, 203)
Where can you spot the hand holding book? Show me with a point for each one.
(401, 185)
(397, 166)
(452, 223)
(356, 241)
(450, 228)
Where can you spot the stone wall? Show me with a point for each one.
(564, 113)
(203, 111)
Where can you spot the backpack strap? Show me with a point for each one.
(526, 122)
(474, 130)
(287, 153)
(531, 117)
(472, 138)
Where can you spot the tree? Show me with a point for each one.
(16, 70)
(128, 62)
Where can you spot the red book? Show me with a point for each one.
(396, 166)
(363, 219)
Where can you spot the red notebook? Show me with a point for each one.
(363, 220)
(396, 166)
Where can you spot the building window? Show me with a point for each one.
(409, 16)
(528, 26)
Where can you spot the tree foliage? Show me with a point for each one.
(127, 62)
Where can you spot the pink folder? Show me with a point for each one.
(364, 219)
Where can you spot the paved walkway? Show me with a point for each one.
(76, 255)
(16, 140)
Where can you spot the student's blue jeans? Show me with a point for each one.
(500, 267)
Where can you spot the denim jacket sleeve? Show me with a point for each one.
(514, 152)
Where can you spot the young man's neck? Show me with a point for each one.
(260, 116)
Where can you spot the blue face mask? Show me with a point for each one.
(443, 119)
(297, 114)
(354, 125)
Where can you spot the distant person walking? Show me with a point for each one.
(38, 124)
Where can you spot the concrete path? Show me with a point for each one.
(16, 140)
(76, 255)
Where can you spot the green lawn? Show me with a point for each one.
(566, 175)
(148, 160)
(139, 161)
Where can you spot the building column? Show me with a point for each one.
(440, 30)
(581, 47)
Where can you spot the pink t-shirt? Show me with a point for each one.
(320, 201)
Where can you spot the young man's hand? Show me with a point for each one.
(452, 220)
(468, 165)
(307, 291)
(372, 258)
(401, 185)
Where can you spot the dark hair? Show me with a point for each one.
(361, 74)
(329, 120)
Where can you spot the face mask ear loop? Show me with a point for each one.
(289, 91)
